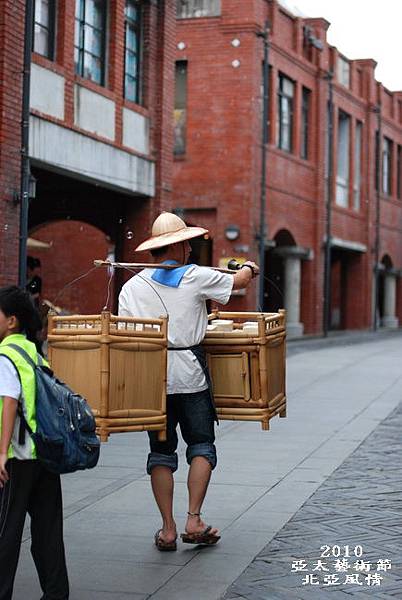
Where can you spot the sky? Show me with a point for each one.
(362, 29)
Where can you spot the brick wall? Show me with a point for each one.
(12, 15)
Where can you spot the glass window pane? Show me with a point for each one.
(77, 61)
(131, 11)
(180, 118)
(93, 40)
(342, 178)
(42, 8)
(131, 38)
(131, 64)
(94, 12)
(130, 91)
(79, 9)
(288, 87)
(285, 111)
(187, 9)
(357, 174)
(341, 194)
(92, 68)
(41, 40)
(78, 33)
(181, 85)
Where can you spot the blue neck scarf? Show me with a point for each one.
(170, 277)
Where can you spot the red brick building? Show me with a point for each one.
(100, 139)
(217, 169)
(11, 65)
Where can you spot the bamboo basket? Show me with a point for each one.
(248, 368)
(118, 364)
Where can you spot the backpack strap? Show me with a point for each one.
(23, 422)
(26, 356)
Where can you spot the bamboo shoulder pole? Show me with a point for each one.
(139, 266)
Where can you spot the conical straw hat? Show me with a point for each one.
(169, 229)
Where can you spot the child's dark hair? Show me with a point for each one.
(18, 303)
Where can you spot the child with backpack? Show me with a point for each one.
(25, 485)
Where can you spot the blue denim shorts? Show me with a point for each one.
(196, 416)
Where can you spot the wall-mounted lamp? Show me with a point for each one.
(31, 190)
(32, 187)
(232, 232)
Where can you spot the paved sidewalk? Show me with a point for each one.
(337, 395)
(355, 516)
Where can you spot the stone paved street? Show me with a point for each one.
(277, 496)
(360, 504)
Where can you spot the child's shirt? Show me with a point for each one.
(10, 386)
(9, 380)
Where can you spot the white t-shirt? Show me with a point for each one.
(10, 386)
(141, 296)
(9, 380)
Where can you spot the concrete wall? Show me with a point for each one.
(47, 92)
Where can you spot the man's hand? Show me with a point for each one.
(254, 268)
(3, 471)
(245, 274)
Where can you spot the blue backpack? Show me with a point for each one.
(65, 436)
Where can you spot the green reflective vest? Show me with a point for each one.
(27, 377)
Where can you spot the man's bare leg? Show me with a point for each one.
(162, 487)
(197, 483)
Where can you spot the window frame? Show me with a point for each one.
(137, 25)
(80, 71)
(343, 71)
(387, 164)
(305, 123)
(50, 28)
(357, 175)
(207, 7)
(180, 110)
(285, 99)
(343, 181)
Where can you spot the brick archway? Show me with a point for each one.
(73, 247)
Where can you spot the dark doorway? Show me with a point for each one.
(201, 251)
(60, 198)
(274, 282)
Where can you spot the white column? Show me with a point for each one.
(292, 296)
(389, 320)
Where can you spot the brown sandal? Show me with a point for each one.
(162, 545)
(204, 537)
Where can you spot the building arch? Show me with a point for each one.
(284, 283)
(387, 261)
(74, 245)
(284, 238)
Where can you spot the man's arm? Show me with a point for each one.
(7, 428)
(245, 274)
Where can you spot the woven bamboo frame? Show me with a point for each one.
(99, 355)
(248, 369)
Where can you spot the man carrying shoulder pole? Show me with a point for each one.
(181, 294)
